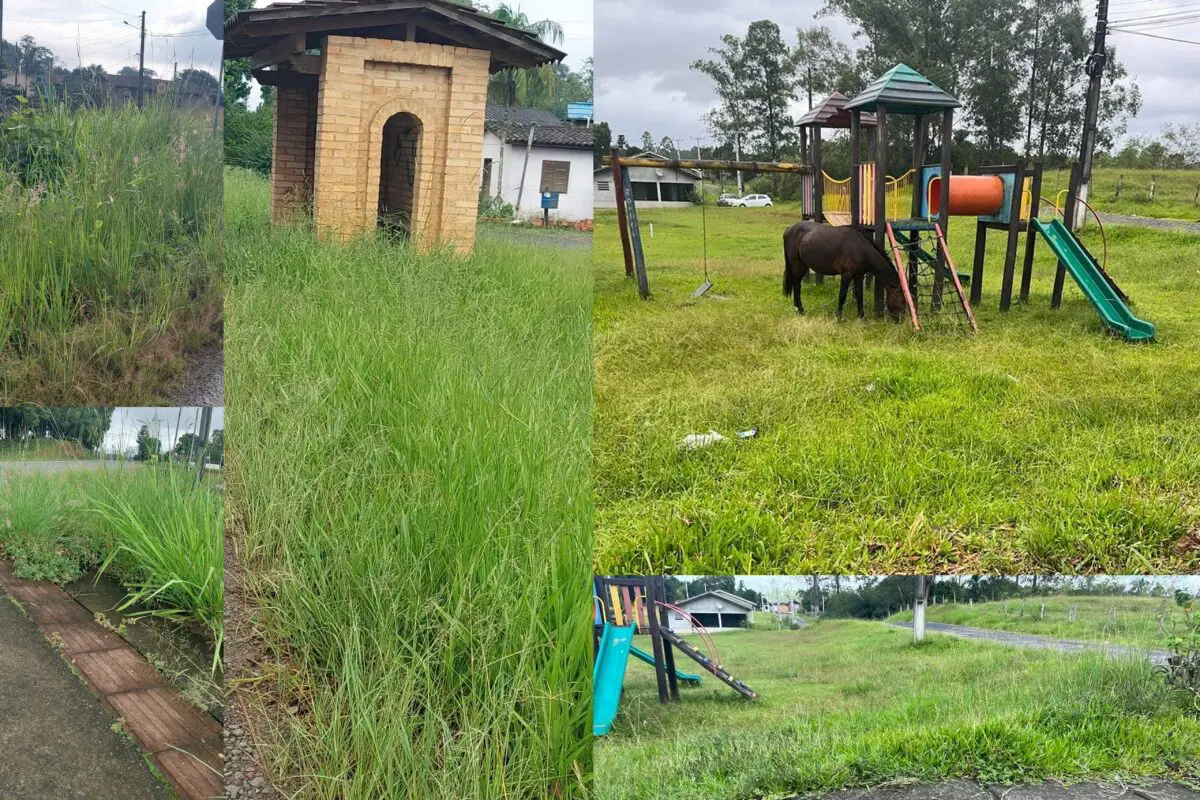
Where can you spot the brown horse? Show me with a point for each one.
(841, 251)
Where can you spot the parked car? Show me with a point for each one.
(728, 200)
(754, 201)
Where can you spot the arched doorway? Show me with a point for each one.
(398, 180)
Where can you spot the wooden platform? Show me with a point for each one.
(837, 217)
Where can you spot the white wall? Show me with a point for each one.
(607, 198)
(575, 204)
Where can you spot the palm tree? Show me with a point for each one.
(513, 86)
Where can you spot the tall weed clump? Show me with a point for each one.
(410, 469)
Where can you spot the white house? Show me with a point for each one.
(653, 187)
(716, 611)
(559, 160)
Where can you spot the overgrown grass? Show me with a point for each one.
(1041, 444)
(160, 537)
(112, 251)
(409, 470)
(1137, 621)
(1174, 194)
(857, 704)
(41, 450)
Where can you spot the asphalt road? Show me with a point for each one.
(1040, 642)
(1150, 222)
(205, 381)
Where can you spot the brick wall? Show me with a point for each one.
(363, 84)
(293, 152)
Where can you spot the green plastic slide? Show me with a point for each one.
(686, 677)
(608, 675)
(1113, 310)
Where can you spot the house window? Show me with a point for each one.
(602, 186)
(554, 176)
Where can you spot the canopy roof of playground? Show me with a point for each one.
(424, 21)
(831, 113)
(903, 90)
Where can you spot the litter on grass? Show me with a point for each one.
(694, 441)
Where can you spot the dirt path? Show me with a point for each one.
(205, 381)
(536, 237)
(1039, 642)
(1150, 222)
(57, 739)
(970, 790)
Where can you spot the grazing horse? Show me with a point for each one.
(841, 251)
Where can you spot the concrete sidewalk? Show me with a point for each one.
(56, 738)
(970, 790)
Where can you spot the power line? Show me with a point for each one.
(1154, 36)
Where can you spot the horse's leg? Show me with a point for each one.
(858, 294)
(842, 294)
(803, 272)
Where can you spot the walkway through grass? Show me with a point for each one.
(1040, 444)
(409, 448)
(848, 703)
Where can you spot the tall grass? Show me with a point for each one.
(111, 249)
(850, 703)
(409, 466)
(159, 536)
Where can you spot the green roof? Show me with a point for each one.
(903, 90)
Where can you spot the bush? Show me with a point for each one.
(1182, 670)
(494, 208)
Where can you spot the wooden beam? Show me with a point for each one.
(728, 166)
(1010, 247)
(306, 64)
(284, 78)
(1030, 235)
(855, 160)
(282, 50)
(939, 271)
(880, 199)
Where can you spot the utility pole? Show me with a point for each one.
(142, 60)
(1037, 26)
(737, 155)
(205, 428)
(1, 42)
(919, 598)
(1094, 69)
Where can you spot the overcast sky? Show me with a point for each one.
(644, 49)
(166, 424)
(778, 587)
(106, 33)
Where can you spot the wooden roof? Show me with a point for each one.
(426, 21)
(903, 90)
(831, 113)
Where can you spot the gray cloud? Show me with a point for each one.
(643, 51)
(93, 33)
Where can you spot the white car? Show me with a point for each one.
(753, 201)
(728, 200)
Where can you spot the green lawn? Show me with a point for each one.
(409, 476)
(1138, 621)
(848, 703)
(1174, 193)
(1041, 444)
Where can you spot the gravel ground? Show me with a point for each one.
(245, 779)
(1039, 642)
(205, 381)
(537, 237)
(1150, 222)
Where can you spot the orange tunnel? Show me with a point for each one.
(970, 195)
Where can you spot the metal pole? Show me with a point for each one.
(142, 60)
(737, 156)
(524, 169)
(1094, 69)
(205, 425)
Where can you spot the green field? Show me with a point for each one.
(1041, 444)
(1138, 621)
(850, 703)
(148, 526)
(1174, 192)
(111, 252)
(409, 484)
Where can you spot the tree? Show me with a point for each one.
(148, 447)
(187, 446)
(512, 87)
(132, 72)
(822, 64)
(755, 80)
(647, 141)
(199, 81)
(85, 425)
(237, 70)
(601, 143)
(667, 147)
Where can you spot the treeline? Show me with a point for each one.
(86, 426)
(1177, 147)
(1017, 69)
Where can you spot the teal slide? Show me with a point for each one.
(1083, 268)
(609, 674)
(686, 677)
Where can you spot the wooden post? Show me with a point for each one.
(656, 641)
(635, 237)
(939, 271)
(818, 184)
(664, 621)
(919, 602)
(918, 154)
(622, 219)
(1060, 273)
(880, 197)
(1035, 202)
(1010, 247)
(855, 153)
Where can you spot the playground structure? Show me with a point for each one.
(625, 607)
(1004, 197)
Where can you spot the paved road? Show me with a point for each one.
(205, 381)
(970, 790)
(1150, 222)
(57, 740)
(1040, 642)
(26, 467)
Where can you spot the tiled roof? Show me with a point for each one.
(832, 113)
(519, 115)
(903, 90)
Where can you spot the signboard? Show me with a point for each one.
(555, 175)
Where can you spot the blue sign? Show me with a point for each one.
(549, 199)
